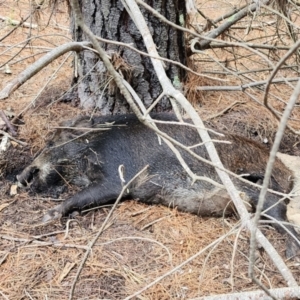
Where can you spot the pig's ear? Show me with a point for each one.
(71, 129)
(83, 122)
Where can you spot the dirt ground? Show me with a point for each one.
(140, 243)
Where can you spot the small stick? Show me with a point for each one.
(34, 243)
(15, 22)
(12, 138)
(153, 222)
(8, 124)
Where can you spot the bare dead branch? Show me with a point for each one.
(19, 23)
(274, 72)
(276, 12)
(229, 14)
(267, 177)
(280, 294)
(204, 44)
(34, 243)
(8, 124)
(251, 45)
(15, 28)
(39, 65)
(248, 71)
(246, 86)
(12, 138)
(224, 110)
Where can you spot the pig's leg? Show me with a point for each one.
(101, 193)
(279, 214)
(94, 195)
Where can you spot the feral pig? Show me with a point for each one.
(91, 159)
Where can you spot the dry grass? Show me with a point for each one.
(141, 242)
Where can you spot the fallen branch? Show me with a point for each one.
(204, 44)
(8, 124)
(39, 65)
(34, 243)
(15, 22)
(270, 80)
(251, 45)
(245, 86)
(12, 138)
(280, 293)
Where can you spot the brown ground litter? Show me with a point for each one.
(141, 242)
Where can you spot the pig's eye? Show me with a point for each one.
(50, 144)
(255, 178)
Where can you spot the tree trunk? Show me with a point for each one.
(108, 19)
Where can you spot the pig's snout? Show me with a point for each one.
(25, 179)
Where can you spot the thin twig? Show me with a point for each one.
(207, 257)
(154, 222)
(250, 45)
(4, 296)
(268, 173)
(224, 110)
(158, 279)
(176, 63)
(34, 243)
(3, 258)
(12, 138)
(32, 103)
(18, 23)
(246, 85)
(15, 28)
(139, 238)
(8, 124)
(28, 295)
(91, 244)
(274, 72)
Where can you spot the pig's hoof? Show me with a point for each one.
(52, 214)
(292, 248)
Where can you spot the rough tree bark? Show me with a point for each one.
(109, 20)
